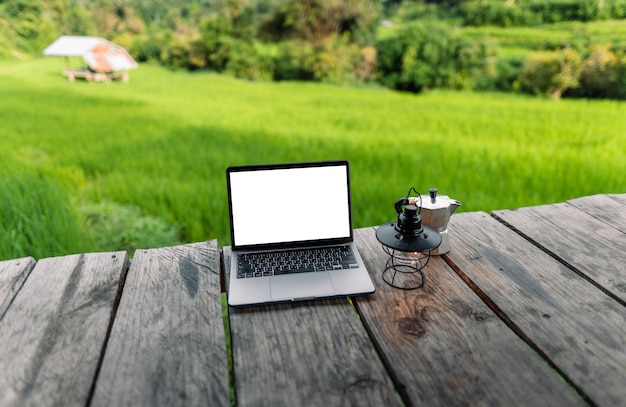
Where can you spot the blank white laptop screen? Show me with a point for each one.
(290, 205)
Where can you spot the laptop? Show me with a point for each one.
(291, 233)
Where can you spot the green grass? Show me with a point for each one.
(30, 208)
(154, 150)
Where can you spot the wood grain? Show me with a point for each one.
(52, 335)
(445, 347)
(610, 209)
(314, 353)
(13, 273)
(596, 248)
(580, 329)
(167, 345)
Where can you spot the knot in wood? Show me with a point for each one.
(360, 383)
(411, 326)
(481, 315)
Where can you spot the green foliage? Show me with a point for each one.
(176, 54)
(603, 74)
(112, 227)
(216, 34)
(535, 12)
(314, 21)
(335, 60)
(295, 61)
(149, 46)
(411, 11)
(224, 43)
(508, 69)
(427, 55)
(569, 10)
(331, 40)
(247, 61)
(550, 73)
(21, 23)
(500, 13)
(597, 79)
(228, 40)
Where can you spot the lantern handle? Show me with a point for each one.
(405, 201)
(399, 203)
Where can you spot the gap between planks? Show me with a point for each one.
(516, 329)
(560, 260)
(116, 304)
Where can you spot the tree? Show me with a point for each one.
(429, 55)
(603, 74)
(551, 73)
(315, 21)
(115, 18)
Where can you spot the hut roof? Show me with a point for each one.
(101, 55)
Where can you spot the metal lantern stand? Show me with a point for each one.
(409, 265)
(408, 244)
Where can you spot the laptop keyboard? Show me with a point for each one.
(264, 264)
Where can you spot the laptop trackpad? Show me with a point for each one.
(301, 286)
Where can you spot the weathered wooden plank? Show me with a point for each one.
(577, 327)
(52, 335)
(13, 273)
(609, 208)
(167, 345)
(306, 354)
(621, 198)
(593, 247)
(446, 347)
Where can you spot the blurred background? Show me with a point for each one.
(499, 104)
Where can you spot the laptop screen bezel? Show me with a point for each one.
(301, 243)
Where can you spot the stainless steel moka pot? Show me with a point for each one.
(435, 212)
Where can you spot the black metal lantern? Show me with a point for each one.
(408, 244)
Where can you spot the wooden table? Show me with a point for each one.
(528, 308)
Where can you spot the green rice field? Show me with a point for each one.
(526, 40)
(95, 166)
